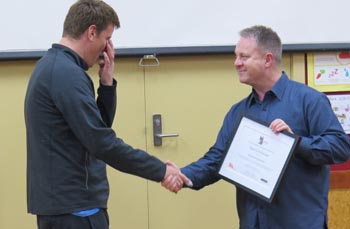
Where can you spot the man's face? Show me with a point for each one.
(99, 44)
(249, 61)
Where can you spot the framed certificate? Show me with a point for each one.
(256, 158)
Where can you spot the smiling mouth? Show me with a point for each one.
(241, 71)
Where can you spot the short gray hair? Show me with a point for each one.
(266, 39)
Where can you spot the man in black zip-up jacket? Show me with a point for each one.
(69, 135)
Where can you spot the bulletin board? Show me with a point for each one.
(329, 72)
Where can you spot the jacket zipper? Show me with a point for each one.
(86, 170)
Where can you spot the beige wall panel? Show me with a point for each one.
(193, 93)
(13, 202)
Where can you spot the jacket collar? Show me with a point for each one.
(72, 55)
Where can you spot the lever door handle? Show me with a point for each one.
(157, 131)
(166, 135)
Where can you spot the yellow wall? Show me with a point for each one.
(13, 82)
(14, 76)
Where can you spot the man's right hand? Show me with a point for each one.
(174, 178)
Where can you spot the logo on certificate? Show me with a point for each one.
(261, 140)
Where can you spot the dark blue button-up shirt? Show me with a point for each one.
(301, 199)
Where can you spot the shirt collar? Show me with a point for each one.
(278, 90)
(72, 55)
(280, 87)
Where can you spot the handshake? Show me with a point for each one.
(174, 179)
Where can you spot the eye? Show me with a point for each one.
(244, 57)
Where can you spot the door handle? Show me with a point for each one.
(157, 131)
(149, 61)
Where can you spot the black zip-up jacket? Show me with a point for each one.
(69, 139)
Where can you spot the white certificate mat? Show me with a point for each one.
(256, 158)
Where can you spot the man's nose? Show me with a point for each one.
(237, 61)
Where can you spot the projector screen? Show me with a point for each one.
(34, 25)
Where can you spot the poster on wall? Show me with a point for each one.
(329, 71)
(341, 107)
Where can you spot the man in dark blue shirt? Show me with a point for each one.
(302, 198)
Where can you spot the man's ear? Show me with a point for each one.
(91, 32)
(269, 59)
